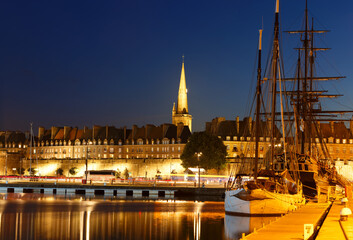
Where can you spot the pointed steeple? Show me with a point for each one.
(182, 96)
(173, 111)
(180, 114)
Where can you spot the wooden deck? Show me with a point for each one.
(291, 226)
(332, 228)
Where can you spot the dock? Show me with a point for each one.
(125, 190)
(333, 228)
(323, 219)
(291, 226)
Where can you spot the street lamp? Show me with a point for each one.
(198, 154)
(87, 150)
(7, 153)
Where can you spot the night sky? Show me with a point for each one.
(80, 63)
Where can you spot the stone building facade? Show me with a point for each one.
(12, 151)
(148, 150)
(237, 137)
(144, 151)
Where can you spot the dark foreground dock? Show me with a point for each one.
(112, 190)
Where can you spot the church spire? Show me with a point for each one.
(182, 96)
(180, 114)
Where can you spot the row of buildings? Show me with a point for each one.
(149, 150)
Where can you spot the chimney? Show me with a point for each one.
(40, 132)
(148, 129)
(237, 123)
(106, 131)
(165, 129)
(66, 131)
(180, 128)
(124, 134)
(250, 124)
(332, 125)
(134, 131)
(53, 132)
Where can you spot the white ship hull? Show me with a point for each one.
(260, 202)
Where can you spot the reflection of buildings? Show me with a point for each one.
(75, 219)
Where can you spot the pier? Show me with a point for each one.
(320, 221)
(119, 190)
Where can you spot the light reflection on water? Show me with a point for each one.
(38, 216)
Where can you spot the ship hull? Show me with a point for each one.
(260, 202)
(307, 178)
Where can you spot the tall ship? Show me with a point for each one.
(297, 161)
(267, 191)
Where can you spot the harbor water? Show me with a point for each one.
(39, 216)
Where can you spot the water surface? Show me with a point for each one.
(38, 216)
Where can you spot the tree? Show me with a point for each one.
(73, 171)
(20, 171)
(213, 151)
(32, 171)
(117, 173)
(126, 173)
(59, 172)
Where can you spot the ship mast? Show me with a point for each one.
(258, 102)
(275, 57)
(306, 100)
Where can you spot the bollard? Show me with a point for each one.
(344, 214)
(344, 201)
(308, 231)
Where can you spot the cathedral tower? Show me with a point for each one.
(180, 114)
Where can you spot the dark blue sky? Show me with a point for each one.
(118, 63)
